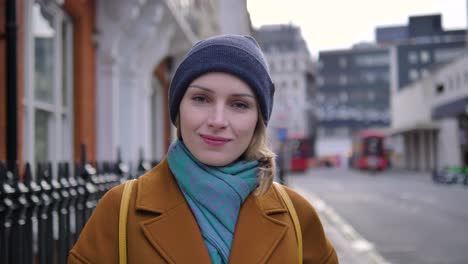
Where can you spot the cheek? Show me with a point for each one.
(191, 118)
(185, 125)
(184, 115)
(246, 126)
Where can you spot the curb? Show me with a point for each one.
(357, 245)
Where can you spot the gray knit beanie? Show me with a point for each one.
(234, 54)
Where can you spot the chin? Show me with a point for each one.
(216, 159)
(215, 162)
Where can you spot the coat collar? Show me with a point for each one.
(175, 234)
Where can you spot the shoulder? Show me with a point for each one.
(110, 202)
(100, 231)
(305, 211)
(317, 247)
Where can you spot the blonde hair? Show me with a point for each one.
(258, 149)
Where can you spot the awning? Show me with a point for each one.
(423, 126)
(451, 109)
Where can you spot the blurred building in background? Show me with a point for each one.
(353, 90)
(427, 127)
(97, 73)
(425, 45)
(356, 86)
(430, 119)
(293, 74)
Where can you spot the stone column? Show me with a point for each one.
(430, 145)
(107, 107)
(422, 150)
(406, 150)
(111, 17)
(410, 150)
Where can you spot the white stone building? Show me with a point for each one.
(292, 71)
(430, 119)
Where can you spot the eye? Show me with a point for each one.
(199, 99)
(240, 105)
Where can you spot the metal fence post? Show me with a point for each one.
(19, 217)
(79, 202)
(44, 231)
(6, 209)
(64, 215)
(87, 172)
(31, 215)
(53, 212)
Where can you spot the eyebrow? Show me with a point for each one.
(211, 91)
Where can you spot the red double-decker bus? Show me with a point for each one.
(300, 150)
(369, 151)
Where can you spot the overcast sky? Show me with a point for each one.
(337, 24)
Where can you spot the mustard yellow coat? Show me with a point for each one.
(162, 229)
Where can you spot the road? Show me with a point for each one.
(406, 217)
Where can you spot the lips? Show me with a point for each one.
(214, 140)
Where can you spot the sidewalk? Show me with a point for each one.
(351, 247)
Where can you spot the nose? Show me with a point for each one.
(218, 118)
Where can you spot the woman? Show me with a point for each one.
(211, 199)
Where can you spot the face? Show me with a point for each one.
(218, 115)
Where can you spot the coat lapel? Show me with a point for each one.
(174, 233)
(257, 233)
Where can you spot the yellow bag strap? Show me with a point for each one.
(292, 212)
(123, 221)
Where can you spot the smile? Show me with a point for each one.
(214, 141)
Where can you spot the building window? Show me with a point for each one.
(343, 97)
(369, 77)
(284, 85)
(458, 81)
(439, 88)
(451, 84)
(425, 56)
(447, 54)
(294, 64)
(48, 93)
(413, 57)
(320, 98)
(287, 65)
(383, 76)
(413, 74)
(372, 60)
(302, 65)
(320, 81)
(343, 80)
(343, 63)
(295, 83)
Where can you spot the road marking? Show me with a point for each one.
(358, 243)
(362, 245)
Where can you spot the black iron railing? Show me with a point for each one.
(42, 214)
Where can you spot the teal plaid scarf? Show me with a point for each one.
(215, 195)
